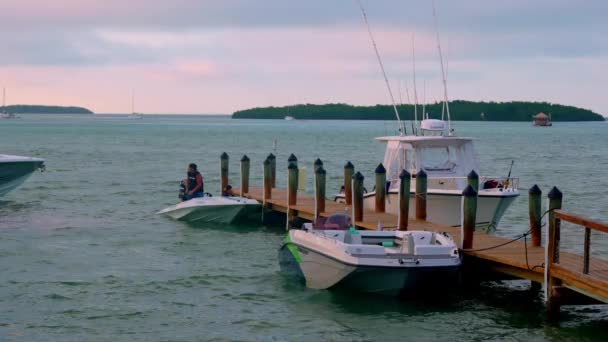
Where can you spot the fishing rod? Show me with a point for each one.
(402, 128)
(443, 72)
(509, 175)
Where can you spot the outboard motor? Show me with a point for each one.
(182, 191)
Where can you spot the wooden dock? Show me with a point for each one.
(567, 278)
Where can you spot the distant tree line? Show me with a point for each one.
(459, 110)
(39, 109)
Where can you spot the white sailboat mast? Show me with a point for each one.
(443, 74)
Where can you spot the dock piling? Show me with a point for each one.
(245, 166)
(358, 197)
(349, 171)
(273, 170)
(469, 211)
(534, 209)
(421, 191)
(380, 188)
(292, 186)
(224, 161)
(319, 190)
(267, 179)
(404, 199)
(552, 284)
(318, 163)
(473, 180)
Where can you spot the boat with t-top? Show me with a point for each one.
(447, 160)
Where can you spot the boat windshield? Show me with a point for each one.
(333, 222)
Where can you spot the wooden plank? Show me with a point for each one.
(583, 221)
(582, 283)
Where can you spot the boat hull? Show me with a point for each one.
(14, 173)
(320, 271)
(211, 209)
(446, 208)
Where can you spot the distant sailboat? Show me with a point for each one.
(133, 114)
(4, 114)
(288, 116)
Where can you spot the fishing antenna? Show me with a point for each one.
(443, 75)
(388, 86)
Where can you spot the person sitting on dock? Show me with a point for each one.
(227, 191)
(194, 183)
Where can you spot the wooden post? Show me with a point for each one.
(244, 175)
(534, 209)
(224, 170)
(292, 159)
(404, 199)
(358, 197)
(267, 179)
(380, 189)
(586, 250)
(470, 212)
(349, 171)
(273, 170)
(292, 184)
(421, 188)
(317, 164)
(320, 190)
(473, 180)
(553, 304)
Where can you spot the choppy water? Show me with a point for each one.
(83, 256)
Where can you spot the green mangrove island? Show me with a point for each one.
(40, 109)
(459, 110)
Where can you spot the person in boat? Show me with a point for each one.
(227, 191)
(193, 183)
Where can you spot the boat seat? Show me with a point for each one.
(353, 239)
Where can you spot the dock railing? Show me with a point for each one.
(589, 277)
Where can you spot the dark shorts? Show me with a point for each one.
(194, 195)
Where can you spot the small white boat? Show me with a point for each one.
(381, 262)
(134, 115)
(447, 160)
(289, 118)
(219, 209)
(14, 170)
(4, 114)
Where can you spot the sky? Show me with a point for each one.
(216, 57)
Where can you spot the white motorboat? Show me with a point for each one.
(289, 118)
(14, 170)
(447, 160)
(381, 262)
(220, 209)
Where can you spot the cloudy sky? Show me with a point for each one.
(203, 56)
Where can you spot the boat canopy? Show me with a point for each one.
(438, 156)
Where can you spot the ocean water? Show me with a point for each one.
(84, 257)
